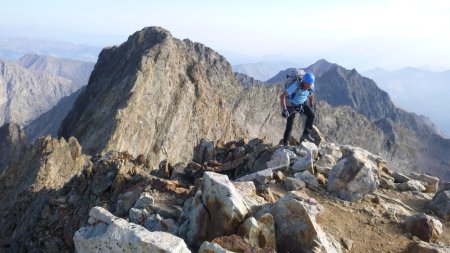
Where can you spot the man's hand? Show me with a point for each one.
(285, 113)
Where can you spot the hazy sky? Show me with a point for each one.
(362, 34)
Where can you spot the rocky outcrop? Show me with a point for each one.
(217, 209)
(151, 92)
(246, 80)
(301, 233)
(27, 192)
(441, 204)
(431, 183)
(425, 227)
(109, 233)
(354, 176)
(12, 144)
(49, 122)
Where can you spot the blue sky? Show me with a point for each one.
(362, 34)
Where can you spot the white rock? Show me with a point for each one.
(325, 164)
(311, 148)
(218, 209)
(260, 177)
(330, 149)
(114, 234)
(208, 247)
(280, 159)
(100, 214)
(431, 183)
(297, 230)
(411, 185)
(353, 177)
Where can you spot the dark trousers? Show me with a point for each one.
(309, 113)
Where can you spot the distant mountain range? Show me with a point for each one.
(262, 70)
(422, 91)
(34, 84)
(13, 48)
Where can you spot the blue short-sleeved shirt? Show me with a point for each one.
(300, 96)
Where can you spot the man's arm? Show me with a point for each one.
(283, 97)
(311, 99)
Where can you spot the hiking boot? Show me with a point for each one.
(307, 137)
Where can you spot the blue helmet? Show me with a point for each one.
(309, 78)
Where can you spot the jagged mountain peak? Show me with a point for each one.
(143, 95)
(321, 66)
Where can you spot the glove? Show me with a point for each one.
(285, 114)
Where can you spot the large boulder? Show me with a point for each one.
(304, 163)
(108, 233)
(294, 184)
(310, 148)
(260, 177)
(425, 227)
(354, 176)
(217, 209)
(441, 204)
(296, 226)
(411, 185)
(308, 178)
(281, 159)
(431, 183)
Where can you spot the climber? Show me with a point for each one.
(298, 97)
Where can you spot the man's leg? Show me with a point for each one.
(288, 130)
(309, 113)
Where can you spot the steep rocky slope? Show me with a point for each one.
(26, 94)
(49, 122)
(12, 143)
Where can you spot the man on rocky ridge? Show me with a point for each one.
(298, 97)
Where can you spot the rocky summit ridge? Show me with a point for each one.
(156, 93)
(165, 159)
